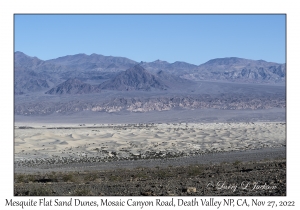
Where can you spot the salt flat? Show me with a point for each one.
(143, 140)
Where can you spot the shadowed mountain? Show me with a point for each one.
(240, 70)
(26, 79)
(30, 84)
(73, 86)
(135, 78)
(35, 75)
(35, 84)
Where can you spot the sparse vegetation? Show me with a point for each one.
(82, 192)
(114, 178)
(24, 178)
(157, 181)
(162, 174)
(194, 170)
(237, 163)
(68, 177)
(92, 176)
(141, 175)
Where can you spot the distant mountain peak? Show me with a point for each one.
(240, 70)
(136, 68)
(20, 53)
(135, 78)
(160, 61)
(227, 61)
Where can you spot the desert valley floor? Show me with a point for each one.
(140, 141)
(150, 159)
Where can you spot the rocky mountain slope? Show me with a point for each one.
(177, 68)
(239, 70)
(135, 78)
(33, 74)
(73, 86)
(96, 83)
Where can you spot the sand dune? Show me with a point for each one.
(42, 141)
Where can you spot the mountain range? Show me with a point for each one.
(81, 73)
(85, 84)
(240, 70)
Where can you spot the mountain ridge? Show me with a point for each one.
(33, 74)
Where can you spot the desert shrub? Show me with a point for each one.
(141, 174)
(114, 178)
(40, 190)
(194, 170)
(91, 177)
(19, 178)
(224, 163)
(82, 192)
(237, 163)
(163, 174)
(68, 177)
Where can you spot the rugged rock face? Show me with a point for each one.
(27, 74)
(24, 62)
(162, 85)
(115, 105)
(239, 70)
(35, 84)
(177, 68)
(73, 86)
(33, 74)
(135, 78)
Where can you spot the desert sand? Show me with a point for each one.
(140, 141)
(148, 159)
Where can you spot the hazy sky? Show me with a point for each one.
(191, 38)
